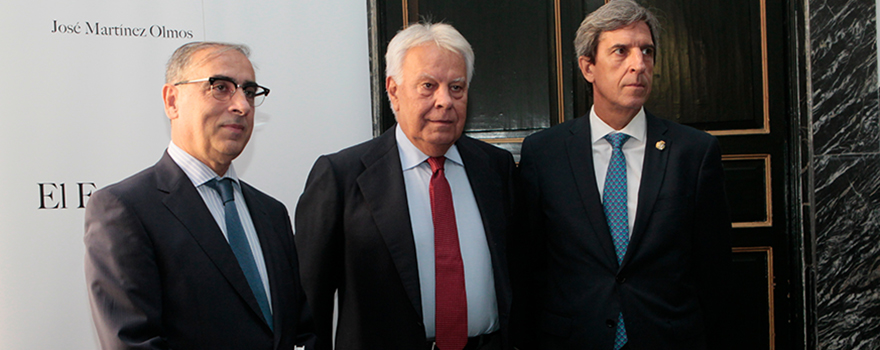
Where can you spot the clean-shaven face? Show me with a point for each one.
(430, 101)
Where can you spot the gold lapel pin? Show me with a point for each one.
(661, 145)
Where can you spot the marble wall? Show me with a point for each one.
(845, 169)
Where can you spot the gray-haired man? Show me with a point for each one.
(409, 228)
(184, 255)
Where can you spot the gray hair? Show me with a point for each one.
(441, 34)
(181, 59)
(614, 15)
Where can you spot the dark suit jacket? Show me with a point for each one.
(672, 283)
(161, 275)
(354, 235)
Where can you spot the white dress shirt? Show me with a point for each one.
(478, 275)
(200, 174)
(633, 151)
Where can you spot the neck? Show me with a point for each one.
(617, 118)
(430, 149)
(433, 151)
(218, 168)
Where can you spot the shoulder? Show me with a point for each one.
(121, 209)
(560, 130)
(557, 133)
(259, 201)
(468, 144)
(134, 188)
(353, 156)
(478, 154)
(687, 144)
(264, 200)
(681, 133)
(548, 144)
(340, 169)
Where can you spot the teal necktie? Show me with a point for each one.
(615, 203)
(240, 246)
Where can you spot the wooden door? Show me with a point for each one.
(722, 67)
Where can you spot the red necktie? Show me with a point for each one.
(451, 298)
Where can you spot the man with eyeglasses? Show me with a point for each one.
(184, 255)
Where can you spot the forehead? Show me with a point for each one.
(429, 56)
(221, 61)
(636, 34)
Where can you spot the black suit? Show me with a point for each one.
(161, 274)
(672, 283)
(354, 235)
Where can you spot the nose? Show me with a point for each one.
(239, 104)
(443, 98)
(638, 62)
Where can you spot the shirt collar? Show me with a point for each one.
(195, 170)
(636, 129)
(411, 156)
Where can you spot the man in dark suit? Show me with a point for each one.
(410, 228)
(628, 238)
(183, 255)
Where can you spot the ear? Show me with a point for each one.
(170, 93)
(586, 65)
(391, 88)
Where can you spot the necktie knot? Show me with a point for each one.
(436, 163)
(617, 139)
(224, 187)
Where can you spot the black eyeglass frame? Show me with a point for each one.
(242, 87)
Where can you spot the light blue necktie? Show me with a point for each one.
(615, 204)
(240, 246)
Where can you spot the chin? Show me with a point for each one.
(233, 150)
(635, 104)
(446, 138)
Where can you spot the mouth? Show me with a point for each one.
(234, 127)
(441, 122)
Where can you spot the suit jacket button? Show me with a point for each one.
(621, 279)
(610, 323)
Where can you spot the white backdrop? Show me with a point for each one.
(81, 98)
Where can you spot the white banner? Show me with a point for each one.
(83, 109)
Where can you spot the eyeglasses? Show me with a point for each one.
(223, 88)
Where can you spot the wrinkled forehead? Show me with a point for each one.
(629, 30)
(428, 57)
(221, 61)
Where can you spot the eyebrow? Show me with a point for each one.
(426, 75)
(246, 82)
(615, 46)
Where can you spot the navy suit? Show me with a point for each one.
(162, 276)
(354, 236)
(672, 286)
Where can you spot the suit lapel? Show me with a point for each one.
(653, 172)
(488, 192)
(384, 192)
(272, 255)
(580, 156)
(184, 201)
